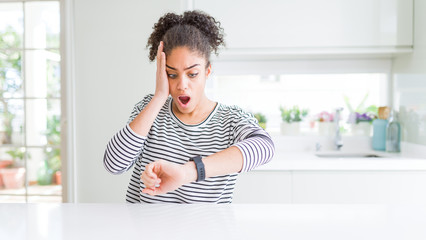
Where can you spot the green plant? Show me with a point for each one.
(53, 130)
(17, 155)
(53, 157)
(294, 114)
(10, 82)
(53, 136)
(261, 119)
(7, 123)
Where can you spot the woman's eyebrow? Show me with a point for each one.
(185, 68)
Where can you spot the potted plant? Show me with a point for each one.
(361, 118)
(3, 164)
(361, 123)
(325, 121)
(49, 171)
(261, 119)
(13, 175)
(291, 118)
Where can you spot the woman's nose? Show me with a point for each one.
(183, 83)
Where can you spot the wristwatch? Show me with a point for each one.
(201, 172)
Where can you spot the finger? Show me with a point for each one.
(160, 48)
(149, 191)
(163, 62)
(149, 170)
(148, 182)
(147, 179)
(160, 190)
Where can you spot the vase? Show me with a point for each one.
(378, 140)
(58, 177)
(290, 129)
(3, 164)
(44, 175)
(361, 129)
(13, 177)
(326, 128)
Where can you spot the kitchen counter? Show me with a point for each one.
(297, 154)
(311, 162)
(230, 221)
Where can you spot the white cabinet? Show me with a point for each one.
(275, 24)
(359, 187)
(263, 187)
(331, 187)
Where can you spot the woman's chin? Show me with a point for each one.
(186, 109)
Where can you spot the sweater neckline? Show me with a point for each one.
(201, 124)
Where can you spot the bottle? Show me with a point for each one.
(393, 133)
(379, 134)
(379, 129)
(44, 174)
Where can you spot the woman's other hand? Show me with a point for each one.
(162, 82)
(162, 177)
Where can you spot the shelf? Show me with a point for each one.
(310, 53)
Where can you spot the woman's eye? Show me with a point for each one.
(192, 75)
(172, 76)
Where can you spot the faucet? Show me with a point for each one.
(318, 146)
(338, 138)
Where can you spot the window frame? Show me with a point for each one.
(64, 13)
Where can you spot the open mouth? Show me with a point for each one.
(184, 99)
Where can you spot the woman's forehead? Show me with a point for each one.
(182, 57)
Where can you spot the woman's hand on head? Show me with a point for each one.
(161, 176)
(162, 82)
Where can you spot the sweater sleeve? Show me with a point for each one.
(125, 146)
(254, 142)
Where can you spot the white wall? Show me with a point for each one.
(410, 82)
(112, 73)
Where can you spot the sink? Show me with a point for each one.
(347, 155)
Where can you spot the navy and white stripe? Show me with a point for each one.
(172, 140)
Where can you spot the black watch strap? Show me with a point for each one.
(200, 168)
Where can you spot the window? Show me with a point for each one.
(316, 92)
(30, 105)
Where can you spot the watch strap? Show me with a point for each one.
(199, 165)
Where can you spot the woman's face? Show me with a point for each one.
(187, 74)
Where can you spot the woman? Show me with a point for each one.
(185, 147)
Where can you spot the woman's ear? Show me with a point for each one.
(208, 70)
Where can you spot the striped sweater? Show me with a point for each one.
(172, 140)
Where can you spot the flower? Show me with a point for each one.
(363, 117)
(356, 117)
(325, 116)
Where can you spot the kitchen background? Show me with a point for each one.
(279, 53)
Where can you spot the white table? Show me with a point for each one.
(232, 221)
